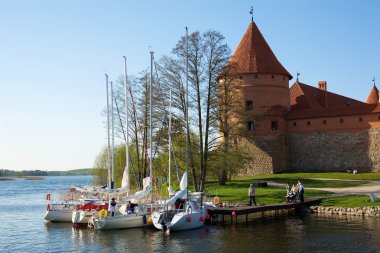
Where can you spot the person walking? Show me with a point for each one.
(251, 194)
(301, 191)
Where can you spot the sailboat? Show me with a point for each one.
(137, 211)
(82, 216)
(188, 214)
(79, 197)
(59, 211)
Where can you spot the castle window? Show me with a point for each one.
(294, 123)
(379, 117)
(241, 77)
(250, 126)
(248, 105)
(341, 120)
(256, 76)
(272, 76)
(324, 122)
(235, 140)
(283, 78)
(274, 125)
(308, 123)
(360, 119)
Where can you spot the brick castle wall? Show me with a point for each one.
(335, 150)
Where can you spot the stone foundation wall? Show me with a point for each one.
(269, 154)
(335, 150)
(371, 211)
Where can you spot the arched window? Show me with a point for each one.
(249, 105)
(250, 126)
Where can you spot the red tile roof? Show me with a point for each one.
(253, 55)
(303, 96)
(308, 102)
(374, 96)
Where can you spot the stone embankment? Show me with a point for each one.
(371, 211)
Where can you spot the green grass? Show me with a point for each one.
(237, 191)
(349, 201)
(329, 175)
(310, 182)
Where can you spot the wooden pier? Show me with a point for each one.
(245, 210)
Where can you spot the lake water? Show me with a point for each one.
(22, 229)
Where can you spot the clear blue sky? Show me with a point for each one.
(53, 56)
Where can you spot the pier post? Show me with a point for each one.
(246, 218)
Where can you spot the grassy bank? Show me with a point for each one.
(237, 191)
(349, 201)
(328, 175)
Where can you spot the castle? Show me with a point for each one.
(304, 127)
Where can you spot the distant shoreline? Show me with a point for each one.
(32, 177)
(7, 179)
(40, 173)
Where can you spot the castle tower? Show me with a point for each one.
(266, 99)
(373, 96)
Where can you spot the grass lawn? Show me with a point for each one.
(329, 175)
(349, 201)
(237, 191)
(307, 182)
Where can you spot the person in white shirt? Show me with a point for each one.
(251, 194)
(301, 191)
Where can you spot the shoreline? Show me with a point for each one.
(369, 211)
(33, 177)
(7, 179)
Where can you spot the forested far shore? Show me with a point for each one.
(12, 173)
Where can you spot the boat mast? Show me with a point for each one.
(187, 110)
(127, 128)
(170, 133)
(113, 141)
(150, 123)
(108, 138)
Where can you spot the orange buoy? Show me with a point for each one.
(216, 200)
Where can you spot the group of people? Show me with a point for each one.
(293, 191)
(129, 207)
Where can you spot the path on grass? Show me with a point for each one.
(370, 186)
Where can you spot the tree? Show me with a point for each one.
(228, 113)
(207, 55)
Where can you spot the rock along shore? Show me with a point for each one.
(370, 211)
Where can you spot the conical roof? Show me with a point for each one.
(253, 55)
(374, 96)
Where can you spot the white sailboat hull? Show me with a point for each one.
(122, 221)
(58, 215)
(81, 218)
(59, 212)
(181, 220)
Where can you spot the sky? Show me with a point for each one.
(54, 54)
